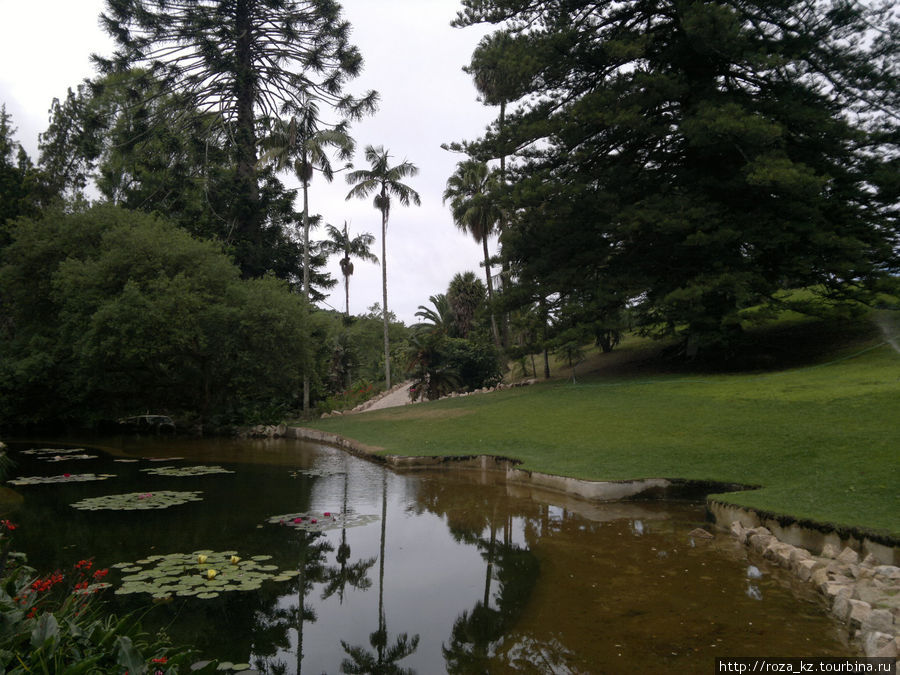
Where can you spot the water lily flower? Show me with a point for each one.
(298, 520)
(211, 574)
(313, 520)
(201, 558)
(67, 475)
(327, 514)
(234, 560)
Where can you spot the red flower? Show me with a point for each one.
(67, 475)
(99, 574)
(161, 659)
(5, 524)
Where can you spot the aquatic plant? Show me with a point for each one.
(52, 451)
(138, 501)
(321, 521)
(52, 624)
(202, 574)
(64, 478)
(184, 471)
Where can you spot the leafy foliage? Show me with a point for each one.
(110, 311)
(693, 159)
(53, 624)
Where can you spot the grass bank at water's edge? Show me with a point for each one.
(822, 442)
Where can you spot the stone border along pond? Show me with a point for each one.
(863, 593)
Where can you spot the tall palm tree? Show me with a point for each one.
(475, 212)
(300, 145)
(339, 241)
(384, 181)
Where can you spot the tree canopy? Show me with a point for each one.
(244, 62)
(108, 312)
(694, 159)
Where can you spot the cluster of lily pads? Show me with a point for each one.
(202, 574)
(184, 471)
(59, 454)
(64, 478)
(138, 501)
(321, 521)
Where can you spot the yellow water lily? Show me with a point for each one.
(234, 560)
(211, 574)
(201, 558)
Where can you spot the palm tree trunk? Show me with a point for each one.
(490, 290)
(306, 275)
(347, 295)
(387, 347)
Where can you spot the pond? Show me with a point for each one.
(438, 571)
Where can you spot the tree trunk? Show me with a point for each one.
(490, 290)
(246, 211)
(387, 346)
(306, 273)
(347, 295)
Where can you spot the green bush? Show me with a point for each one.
(108, 313)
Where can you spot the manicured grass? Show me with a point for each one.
(822, 441)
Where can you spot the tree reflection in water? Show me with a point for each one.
(383, 661)
(312, 550)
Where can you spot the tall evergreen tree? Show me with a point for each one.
(244, 60)
(703, 155)
(385, 182)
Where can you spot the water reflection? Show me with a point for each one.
(474, 575)
(384, 659)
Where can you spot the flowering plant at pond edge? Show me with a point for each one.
(54, 621)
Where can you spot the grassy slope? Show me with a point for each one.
(823, 440)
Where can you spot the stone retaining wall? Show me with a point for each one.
(861, 593)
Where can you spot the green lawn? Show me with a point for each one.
(822, 441)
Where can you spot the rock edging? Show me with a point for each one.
(860, 593)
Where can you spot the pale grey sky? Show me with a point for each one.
(412, 57)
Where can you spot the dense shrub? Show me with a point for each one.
(109, 312)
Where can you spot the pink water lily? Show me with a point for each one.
(298, 520)
(327, 514)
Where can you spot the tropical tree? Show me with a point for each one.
(465, 295)
(439, 317)
(247, 61)
(300, 145)
(475, 212)
(385, 182)
(340, 242)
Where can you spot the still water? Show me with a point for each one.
(453, 572)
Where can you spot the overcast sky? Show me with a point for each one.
(413, 58)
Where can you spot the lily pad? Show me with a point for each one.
(183, 575)
(185, 471)
(138, 501)
(53, 451)
(321, 521)
(64, 478)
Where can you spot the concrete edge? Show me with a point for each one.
(809, 535)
